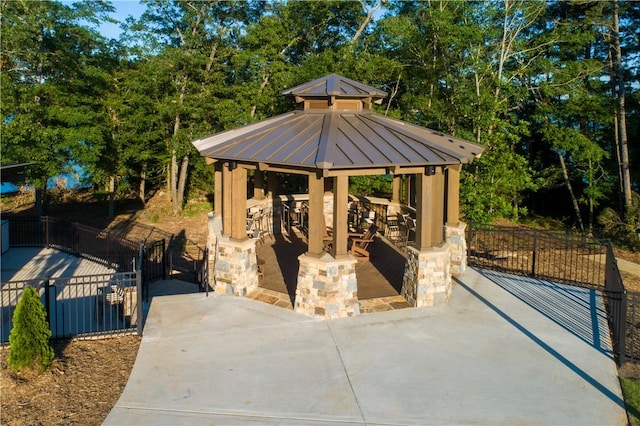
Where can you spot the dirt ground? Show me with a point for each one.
(80, 388)
(88, 376)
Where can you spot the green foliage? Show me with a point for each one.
(623, 230)
(30, 335)
(631, 392)
(370, 185)
(528, 79)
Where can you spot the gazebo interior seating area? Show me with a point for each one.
(315, 248)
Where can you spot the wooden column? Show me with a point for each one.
(239, 204)
(217, 189)
(226, 199)
(316, 215)
(258, 185)
(453, 194)
(437, 208)
(272, 184)
(395, 188)
(424, 208)
(340, 215)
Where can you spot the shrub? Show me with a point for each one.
(30, 335)
(623, 230)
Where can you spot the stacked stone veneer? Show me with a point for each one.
(327, 288)
(236, 267)
(427, 276)
(455, 236)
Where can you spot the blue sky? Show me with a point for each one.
(124, 8)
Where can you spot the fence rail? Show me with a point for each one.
(85, 305)
(80, 306)
(576, 260)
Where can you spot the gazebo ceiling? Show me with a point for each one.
(330, 139)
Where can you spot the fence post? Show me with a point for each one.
(535, 251)
(622, 327)
(47, 301)
(139, 302)
(164, 265)
(45, 219)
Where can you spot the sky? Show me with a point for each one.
(123, 8)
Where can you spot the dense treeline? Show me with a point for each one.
(551, 88)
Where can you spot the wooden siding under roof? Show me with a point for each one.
(321, 139)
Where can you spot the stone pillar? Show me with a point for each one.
(455, 236)
(236, 267)
(427, 276)
(327, 287)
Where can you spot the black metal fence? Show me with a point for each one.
(85, 305)
(103, 247)
(564, 258)
(80, 306)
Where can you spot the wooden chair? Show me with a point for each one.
(360, 242)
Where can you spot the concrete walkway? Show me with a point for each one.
(505, 350)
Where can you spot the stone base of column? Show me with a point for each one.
(427, 276)
(455, 235)
(236, 267)
(327, 288)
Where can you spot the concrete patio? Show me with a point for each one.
(504, 350)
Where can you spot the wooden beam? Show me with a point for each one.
(272, 183)
(395, 188)
(217, 189)
(424, 209)
(258, 185)
(340, 216)
(226, 199)
(210, 161)
(453, 194)
(239, 204)
(316, 216)
(437, 208)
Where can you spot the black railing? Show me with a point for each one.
(184, 258)
(80, 306)
(564, 258)
(100, 246)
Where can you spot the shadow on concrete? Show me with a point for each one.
(542, 344)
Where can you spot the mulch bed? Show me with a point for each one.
(80, 388)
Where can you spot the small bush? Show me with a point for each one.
(29, 338)
(623, 230)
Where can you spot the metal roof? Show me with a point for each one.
(325, 139)
(335, 85)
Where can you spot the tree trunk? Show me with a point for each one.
(622, 121)
(174, 179)
(112, 197)
(182, 181)
(143, 183)
(574, 200)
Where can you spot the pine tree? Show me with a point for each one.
(29, 338)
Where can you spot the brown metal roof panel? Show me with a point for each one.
(335, 85)
(457, 147)
(390, 149)
(211, 141)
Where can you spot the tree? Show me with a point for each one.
(53, 82)
(30, 335)
(190, 42)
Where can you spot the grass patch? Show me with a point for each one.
(196, 208)
(631, 392)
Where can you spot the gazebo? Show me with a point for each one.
(334, 134)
